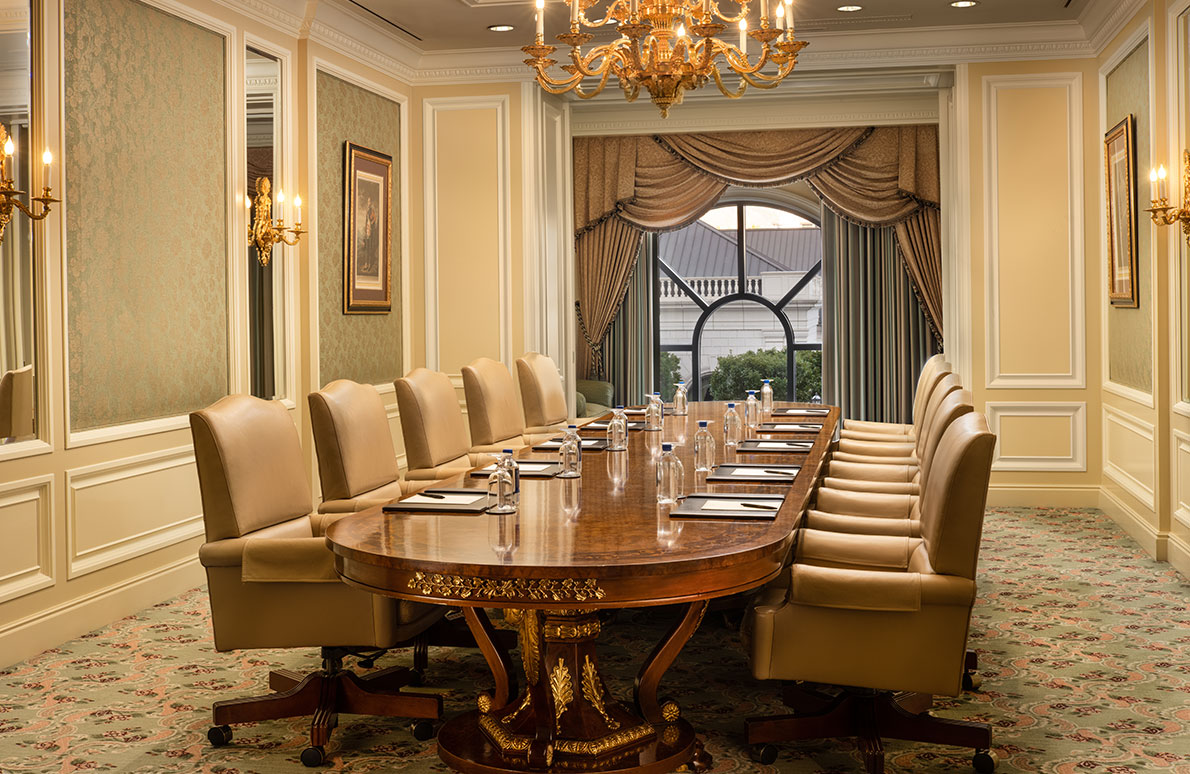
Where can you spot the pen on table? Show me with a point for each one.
(761, 506)
(433, 495)
(780, 472)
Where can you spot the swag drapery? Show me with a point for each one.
(625, 186)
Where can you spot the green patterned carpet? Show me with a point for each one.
(1084, 645)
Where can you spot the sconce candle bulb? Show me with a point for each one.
(9, 195)
(1162, 212)
(264, 231)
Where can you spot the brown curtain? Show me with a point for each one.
(884, 176)
(606, 256)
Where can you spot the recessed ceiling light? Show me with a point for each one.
(849, 8)
(501, 28)
(964, 3)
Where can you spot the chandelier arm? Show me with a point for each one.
(739, 62)
(578, 90)
(555, 86)
(45, 210)
(723, 87)
(743, 4)
(584, 64)
(759, 84)
(612, 14)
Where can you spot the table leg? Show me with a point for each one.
(494, 653)
(659, 661)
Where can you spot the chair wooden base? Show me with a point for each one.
(324, 694)
(869, 716)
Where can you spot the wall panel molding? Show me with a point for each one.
(997, 377)
(180, 511)
(1181, 477)
(17, 499)
(431, 108)
(1120, 429)
(1076, 412)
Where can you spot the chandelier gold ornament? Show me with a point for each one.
(667, 47)
(9, 192)
(265, 231)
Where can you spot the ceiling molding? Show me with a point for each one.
(348, 30)
(1103, 20)
(273, 13)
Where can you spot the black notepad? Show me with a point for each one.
(767, 446)
(735, 507)
(753, 473)
(589, 444)
(789, 427)
(451, 501)
(529, 469)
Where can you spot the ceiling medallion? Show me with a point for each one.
(667, 47)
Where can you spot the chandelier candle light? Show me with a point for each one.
(266, 231)
(667, 47)
(1162, 212)
(9, 192)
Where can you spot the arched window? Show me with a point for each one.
(739, 299)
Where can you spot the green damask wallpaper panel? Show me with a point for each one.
(362, 347)
(1130, 331)
(146, 230)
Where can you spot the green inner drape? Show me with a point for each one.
(628, 350)
(876, 337)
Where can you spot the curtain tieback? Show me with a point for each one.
(596, 347)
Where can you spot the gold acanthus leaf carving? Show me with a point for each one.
(534, 589)
(562, 688)
(530, 642)
(593, 693)
(512, 716)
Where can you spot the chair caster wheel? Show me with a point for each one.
(764, 753)
(984, 761)
(313, 756)
(219, 735)
(422, 730)
(971, 681)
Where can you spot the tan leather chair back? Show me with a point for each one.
(946, 384)
(431, 421)
(16, 403)
(250, 467)
(953, 406)
(493, 408)
(542, 394)
(351, 436)
(931, 372)
(954, 498)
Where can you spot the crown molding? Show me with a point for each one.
(1103, 20)
(344, 28)
(286, 16)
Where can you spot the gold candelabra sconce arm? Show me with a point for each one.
(1162, 212)
(10, 194)
(265, 231)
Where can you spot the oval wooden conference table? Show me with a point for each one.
(576, 546)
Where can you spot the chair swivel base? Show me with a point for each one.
(324, 694)
(870, 716)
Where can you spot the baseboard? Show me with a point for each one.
(26, 637)
(1152, 540)
(1178, 554)
(1043, 496)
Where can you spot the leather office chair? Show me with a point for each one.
(886, 617)
(16, 403)
(272, 581)
(893, 451)
(493, 410)
(931, 371)
(436, 445)
(357, 464)
(542, 396)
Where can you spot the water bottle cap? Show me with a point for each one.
(731, 405)
(508, 451)
(572, 427)
(667, 447)
(702, 423)
(751, 392)
(766, 381)
(619, 407)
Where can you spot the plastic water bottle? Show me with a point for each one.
(500, 490)
(510, 464)
(766, 398)
(654, 413)
(617, 430)
(733, 428)
(704, 448)
(669, 476)
(680, 400)
(570, 454)
(751, 410)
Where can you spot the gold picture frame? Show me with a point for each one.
(1119, 154)
(368, 231)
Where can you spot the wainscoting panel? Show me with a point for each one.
(127, 508)
(1130, 455)
(1046, 436)
(1034, 162)
(26, 552)
(1181, 477)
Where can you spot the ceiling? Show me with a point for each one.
(441, 25)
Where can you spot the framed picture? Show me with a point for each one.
(367, 255)
(1119, 150)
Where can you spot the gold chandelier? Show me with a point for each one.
(667, 47)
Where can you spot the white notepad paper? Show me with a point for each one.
(811, 428)
(526, 467)
(752, 472)
(779, 445)
(557, 444)
(445, 499)
(738, 505)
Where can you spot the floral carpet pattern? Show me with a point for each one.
(1084, 646)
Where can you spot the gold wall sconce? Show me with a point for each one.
(8, 191)
(1162, 212)
(266, 231)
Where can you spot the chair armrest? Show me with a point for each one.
(580, 404)
(862, 426)
(856, 435)
(839, 549)
(889, 506)
(595, 391)
(866, 471)
(862, 525)
(855, 589)
(871, 487)
(273, 560)
(877, 448)
(478, 460)
(873, 459)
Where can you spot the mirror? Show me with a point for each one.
(266, 274)
(18, 344)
